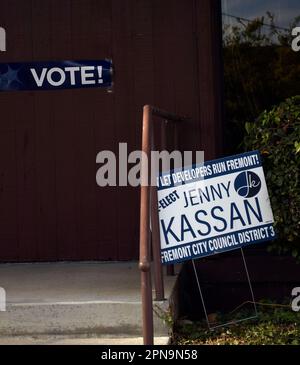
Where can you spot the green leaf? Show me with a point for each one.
(297, 146)
(248, 127)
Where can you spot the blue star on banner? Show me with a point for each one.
(6, 79)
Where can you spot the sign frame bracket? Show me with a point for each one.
(212, 328)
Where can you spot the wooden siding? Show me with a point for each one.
(165, 52)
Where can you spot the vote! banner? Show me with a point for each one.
(214, 207)
(55, 75)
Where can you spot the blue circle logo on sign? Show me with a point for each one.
(247, 184)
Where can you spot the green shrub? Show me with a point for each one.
(276, 134)
(276, 325)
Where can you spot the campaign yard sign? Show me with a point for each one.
(55, 75)
(214, 207)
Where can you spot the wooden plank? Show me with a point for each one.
(210, 86)
(44, 132)
(164, 80)
(8, 196)
(95, 123)
(143, 91)
(184, 69)
(9, 243)
(124, 118)
(66, 140)
(23, 104)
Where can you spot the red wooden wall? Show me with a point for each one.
(165, 52)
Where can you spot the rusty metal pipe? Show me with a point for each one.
(158, 272)
(144, 263)
(171, 268)
(168, 116)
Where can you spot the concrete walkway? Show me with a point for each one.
(69, 340)
(76, 303)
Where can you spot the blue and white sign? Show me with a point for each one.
(55, 75)
(214, 207)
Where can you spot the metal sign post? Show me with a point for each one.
(203, 302)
